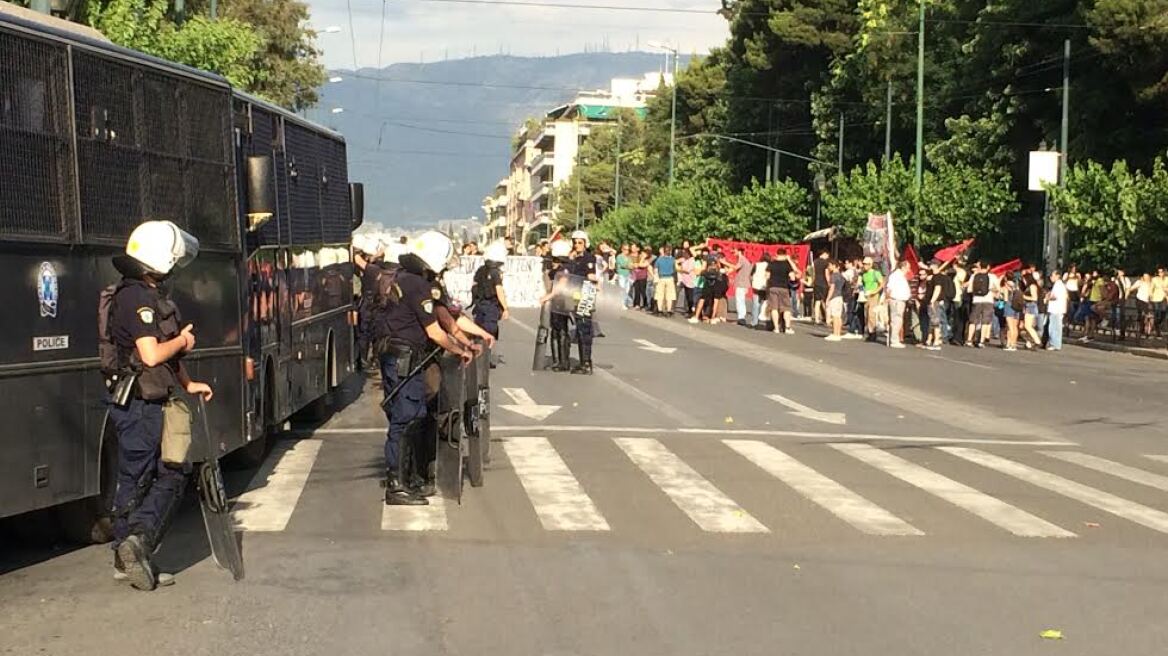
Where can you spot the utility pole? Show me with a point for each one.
(1064, 139)
(40, 6)
(214, 9)
(920, 98)
(888, 124)
(673, 119)
(840, 151)
(616, 183)
(770, 141)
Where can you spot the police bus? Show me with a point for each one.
(94, 139)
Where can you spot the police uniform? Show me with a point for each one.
(487, 309)
(561, 309)
(365, 310)
(583, 266)
(405, 320)
(148, 490)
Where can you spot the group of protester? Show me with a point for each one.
(953, 302)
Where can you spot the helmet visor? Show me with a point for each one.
(186, 248)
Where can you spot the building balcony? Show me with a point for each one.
(541, 190)
(546, 137)
(544, 160)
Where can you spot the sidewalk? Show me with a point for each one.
(1143, 348)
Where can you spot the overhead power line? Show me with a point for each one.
(576, 5)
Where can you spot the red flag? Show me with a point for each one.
(914, 262)
(951, 252)
(1008, 267)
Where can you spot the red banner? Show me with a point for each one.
(800, 254)
(1006, 268)
(914, 262)
(951, 252)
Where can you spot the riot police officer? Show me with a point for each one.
(490, 303)
(583, 267)
(410, 321)
(559, 296)
(150, 339)
(367, 255)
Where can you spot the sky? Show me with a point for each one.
(433, 30)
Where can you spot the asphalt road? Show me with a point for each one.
(892, 502)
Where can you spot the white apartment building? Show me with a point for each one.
(546, 153)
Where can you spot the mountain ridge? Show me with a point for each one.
(430, 140)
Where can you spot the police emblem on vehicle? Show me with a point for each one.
(47, 290)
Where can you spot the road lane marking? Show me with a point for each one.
(1157, 458)
(995, 511)
(646, 345)
(1130, 510)
(430, 517)
(273, 492)
(559, 501)
(1116, 469)
(662, 407)
(739, 432)
(524, 405)
(968, 364)
(852, 508)
(705, 504)
(946, 409)
(799, 410)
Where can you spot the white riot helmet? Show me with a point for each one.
(580, 234)
(561, 248)
(496, 252)
(161, 246)
(434, 249)
(367, 244)
(393, 251)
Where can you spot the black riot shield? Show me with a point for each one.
(476, 416)
(539, 362)
(451, 447)
(225, 548)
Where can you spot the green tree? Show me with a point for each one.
(1100, 208)
(227, 47)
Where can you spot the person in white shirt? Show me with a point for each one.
(899, 293)
(1056, 309)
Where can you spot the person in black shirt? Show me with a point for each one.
(150, 341)
(782, 273)
(938, 295)
(820, 285)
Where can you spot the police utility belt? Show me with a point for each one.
(407, 354)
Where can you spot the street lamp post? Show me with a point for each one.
(820, 187)
(673, 110)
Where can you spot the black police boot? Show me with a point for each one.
(563, 358)
(428, 485)
(585, 366)
(396, 493)
(134, 557)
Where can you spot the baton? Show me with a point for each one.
(430, 357)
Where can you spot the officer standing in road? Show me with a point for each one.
(583, 266)
(410, 321)
(367, 256)
(149, 339)
(559, 295)
(490, 303)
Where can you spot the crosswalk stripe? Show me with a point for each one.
(273, 492)
(705, 504)
(1157, 458)
(431, 517)
(559, 501)
(991, 509)
(1130, 510)
(1119, 470)
(821, 490)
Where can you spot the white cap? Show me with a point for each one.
(580, 234)
(161, 246)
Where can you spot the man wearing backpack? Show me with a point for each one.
(143, 340)
(983, 288)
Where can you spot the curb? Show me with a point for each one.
(1160, 354)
